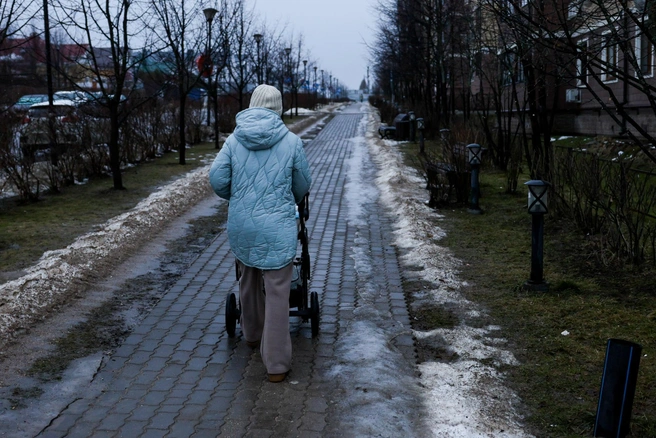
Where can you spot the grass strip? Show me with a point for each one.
(28, 230)
(560, 373)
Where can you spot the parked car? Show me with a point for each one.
(76, 96)
(25, 102)
(35, 131)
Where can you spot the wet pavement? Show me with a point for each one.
(179, 374)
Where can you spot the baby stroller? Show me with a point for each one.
(298, 294)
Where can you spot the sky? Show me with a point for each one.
(335, 32)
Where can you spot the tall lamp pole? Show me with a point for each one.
(305, 75)
(330, 86)
(288, 52)
(258, 40)
(323, 90)
(209, 17)
(315, 86)
(282, 82)
(304, 85)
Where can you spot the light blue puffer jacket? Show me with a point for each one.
(263, 172)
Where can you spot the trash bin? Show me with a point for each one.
(402, 125)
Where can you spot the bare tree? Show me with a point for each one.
(181, 37)
(241, 56)
(105, 30)
(15, 24)
(602, 47)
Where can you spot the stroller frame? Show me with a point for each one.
(299, 304)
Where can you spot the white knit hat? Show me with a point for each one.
(266, 96)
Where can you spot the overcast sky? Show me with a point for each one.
(335, 31)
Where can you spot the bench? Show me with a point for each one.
(386, 131)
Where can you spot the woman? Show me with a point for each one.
(263, 172)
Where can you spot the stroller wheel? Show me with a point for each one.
(314, 313)
(231, 314)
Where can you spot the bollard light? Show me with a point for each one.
(538, 207)
(474, 153)
(413, 120)
(537, 196)
(475, 163)
(420, 128)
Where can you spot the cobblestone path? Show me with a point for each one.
(179, 374)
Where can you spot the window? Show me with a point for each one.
(582, 63)
(513, 69)
(509, 6)
(574, 8)
(644, 51)
(608, 58)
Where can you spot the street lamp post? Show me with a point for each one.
(258, 40)
(315, 86)
(304, 85)
(305, 75)
(288, 52)
(209, 17)
(283, 68)
(323, 90)
(537, 206)
(330, 86)
(475, 163)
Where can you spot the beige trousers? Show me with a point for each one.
(265, 316)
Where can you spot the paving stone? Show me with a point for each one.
(179, 374)
(61, 424)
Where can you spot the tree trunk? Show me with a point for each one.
(182, 143)
(114, 149)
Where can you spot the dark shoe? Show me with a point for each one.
(277, 378)
(253, 344)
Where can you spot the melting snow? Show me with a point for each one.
(61, 273)
(465, 398)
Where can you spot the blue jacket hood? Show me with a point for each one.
(259, 128)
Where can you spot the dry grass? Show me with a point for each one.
(27, 230)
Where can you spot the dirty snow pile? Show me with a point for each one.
(63, 273)
(465, 397)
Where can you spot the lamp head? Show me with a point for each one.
(258, 37)
(537, 196)
(209, 14)
(474, 153)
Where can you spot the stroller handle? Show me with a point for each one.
(304, 207)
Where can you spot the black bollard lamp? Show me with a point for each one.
(537, 207)
(475, 163)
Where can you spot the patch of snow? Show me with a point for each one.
(301, 111)
(62, 273)
(466, 398)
